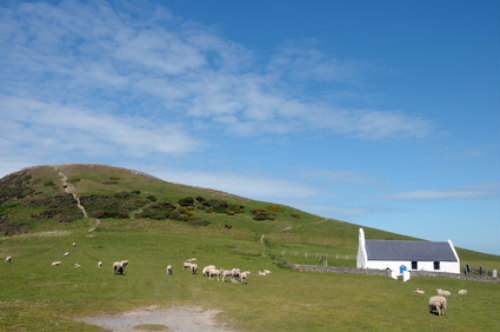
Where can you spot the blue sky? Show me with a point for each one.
(384, 114)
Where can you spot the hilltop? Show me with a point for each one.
(45, 197)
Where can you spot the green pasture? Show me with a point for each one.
(34, 296)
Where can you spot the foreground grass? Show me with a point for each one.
(37, 297)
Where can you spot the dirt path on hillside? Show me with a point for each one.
(153, 318)
(70, 189)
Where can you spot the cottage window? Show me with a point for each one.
(414, 265)
(437, 266)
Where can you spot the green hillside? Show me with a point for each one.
(153, 223)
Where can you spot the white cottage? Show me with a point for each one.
(407, 255)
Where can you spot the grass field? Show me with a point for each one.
(34, 296)
(38, 297)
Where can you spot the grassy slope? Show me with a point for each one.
(36, 296)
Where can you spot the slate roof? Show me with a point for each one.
(409, 250)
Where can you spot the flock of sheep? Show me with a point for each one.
(211, 271)
(438, 303)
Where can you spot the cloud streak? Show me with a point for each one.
(88, 54)
(487, 190)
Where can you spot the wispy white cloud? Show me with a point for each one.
(43, 127)
(486, 190)
(90, 53)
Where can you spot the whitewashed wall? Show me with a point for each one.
(450, 267)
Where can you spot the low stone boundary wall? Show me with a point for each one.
(372, 272)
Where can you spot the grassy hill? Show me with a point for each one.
(153, 223)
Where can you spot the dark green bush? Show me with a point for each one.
(187, 201)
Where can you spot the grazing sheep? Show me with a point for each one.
(56, 263)
(438, 303)
(8, 259)
(99, 264)
(74, 244)
(214, 272)
(170, 270)
(443, 292)
(226, 273)
(236, 274)
(463, 292)
(77, 265)
(262, 274)
(244, 276)
(206, 269)
(119, 267)
(194, 268)
(124, 263)
(187, 265)
(191, 260)
(66, 254)
(419, 291)
(266, 271)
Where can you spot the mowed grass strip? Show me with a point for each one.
(37, 296)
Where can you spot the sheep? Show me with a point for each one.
(443, 292)
(99, 264)
(419, 291)
(56, 263)
(8, 259)
(262, 274)
(213, 272)
(77, 265)
(226, 273)
(266, 271)
(170, 270)
(191, 260)
(244, 276)
(194, 268)
(187, 265)
(463, 292)
(119, 267)
(66, 254)
(206, 269)
(438, 303)
(74, 244)
(124, 263)
(236, 274)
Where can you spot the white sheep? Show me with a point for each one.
(124, 263)
(170, 270)
(463, 292)
(192, 260)
(74, 244)
(99, 264)
(8, 259)
(77, 265)
(66, 254)
(194, 268)
(214, 272)
(443, 292)
(236, 274)
(56, 263)
(438, 303)
(244, 277)
(187, 265)
(119, 267)
(266, 271)
(226, 273)
(206, 269)
(261, 274)
(419, 291)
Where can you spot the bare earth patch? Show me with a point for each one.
(153, 318)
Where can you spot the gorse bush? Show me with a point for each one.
(275, 208)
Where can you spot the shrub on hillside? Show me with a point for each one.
(187, 201)
(275, 208)
(118, 205)
(262, 214)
